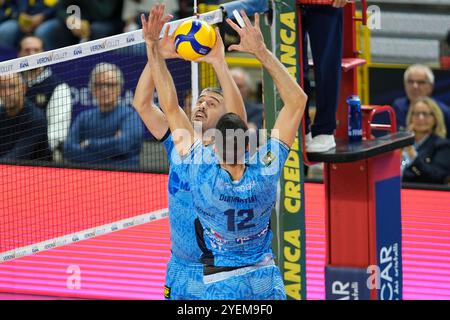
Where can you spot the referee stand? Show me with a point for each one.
(362, 188)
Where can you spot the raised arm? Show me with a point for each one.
(153, 118)
(179, 124)
(233, 98)
(292, 95)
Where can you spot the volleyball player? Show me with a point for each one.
(234, 198)
(184, 276)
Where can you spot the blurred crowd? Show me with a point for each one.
(61, 23)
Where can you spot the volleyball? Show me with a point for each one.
(194, 39)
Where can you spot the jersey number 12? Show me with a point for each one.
(244, 223)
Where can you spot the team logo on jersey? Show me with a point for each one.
(166, 292)
(268, 158)
(176, 184)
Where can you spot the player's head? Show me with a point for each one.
(231, 140)
(12, 93)
(210, 107)
(106, 85)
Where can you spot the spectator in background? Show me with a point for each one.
(428, 160)
(185, 9)
(23, 129)
(255, 111)
(95, 19)
(132, 9)
(110, 134)
(419, 82)
(33, 17)
(49, 94)
(8, 23)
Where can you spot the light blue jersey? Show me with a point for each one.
(184, 271)
(234, 216)
(233, 228)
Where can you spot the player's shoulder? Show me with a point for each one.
(267, 152)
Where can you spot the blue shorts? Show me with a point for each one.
(184, 280)
(248, 283)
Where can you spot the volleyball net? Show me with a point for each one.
(76, 161)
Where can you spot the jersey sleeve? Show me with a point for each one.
(169, 145)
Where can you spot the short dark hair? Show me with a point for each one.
(211, 89)
(233, 140)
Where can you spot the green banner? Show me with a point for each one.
(288, 218)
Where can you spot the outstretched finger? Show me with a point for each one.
(143, 22)
(247, 21)
(218, 36)
(166, 32)
(234, 26)
(257, 20)
(167, 18)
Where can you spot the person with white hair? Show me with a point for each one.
(110, 134)
(419, 82)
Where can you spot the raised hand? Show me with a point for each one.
(152, 27)
(166, 46)
(217, 53)
(252, 40)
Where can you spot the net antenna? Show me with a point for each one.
(194, 72)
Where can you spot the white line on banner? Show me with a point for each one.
(83, 235)
(93, 47)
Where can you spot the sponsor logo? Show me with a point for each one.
(9, 257)
(176, 184)
(98, 47)
(6, 68)
(130, 38)
(77, 51)
(233, 199)
(112, 44)
(50, 245)
(44, 60)
(24, 64)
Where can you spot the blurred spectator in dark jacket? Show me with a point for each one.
(419, 82)
(428, 160)
(185, 9)
(110, 134)
(132, 10)
(8, 23)
(31, 17)
(82, 20)
(23, 129)
(49, 94)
